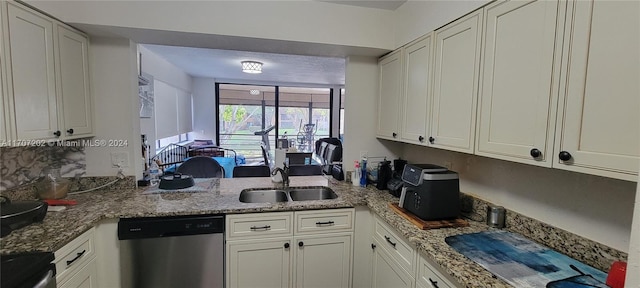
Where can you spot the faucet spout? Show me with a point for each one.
(285, 174)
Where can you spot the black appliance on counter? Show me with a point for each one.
(384, 175)
(28, 270)
(17, 214)
(431, 192)
(395, 184)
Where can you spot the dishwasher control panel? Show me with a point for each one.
(154, 227)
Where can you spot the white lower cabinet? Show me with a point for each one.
(396, 263)
(323, 261)
(282, 258)
(387, 272)
(429, 277)
(85, 277)
(259, 263)
(76, 262)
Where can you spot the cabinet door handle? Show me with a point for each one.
(433, 283)
(389, 241)
(324, 223)
(564, 156)
(69, 262)
(431, 140)
(421, 139)
(286, 245)
(535, 153)
(57, 133)
(394, 134)
(373, 246)
(265, 227)
(300, 243)
(70, 131)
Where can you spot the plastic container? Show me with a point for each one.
(355, 175)
(617, 274)
(52, 185)
(154, 174)
(363, 173)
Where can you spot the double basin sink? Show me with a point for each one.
(286, 194)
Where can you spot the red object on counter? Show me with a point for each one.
(617, 273)
(58, 202)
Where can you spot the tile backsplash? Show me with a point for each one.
(22, 165)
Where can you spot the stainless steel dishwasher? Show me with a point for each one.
(181, 251)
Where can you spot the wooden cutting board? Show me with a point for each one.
(426, 225)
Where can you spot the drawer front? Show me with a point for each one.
(242, 226)
(428, 277)
(322, 221)
(398, 248)
(73, 256)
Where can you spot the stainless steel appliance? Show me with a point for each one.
(496, 216)
(181, 251)
(28, 270)
(431, 192)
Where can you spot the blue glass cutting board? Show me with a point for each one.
(524, 263)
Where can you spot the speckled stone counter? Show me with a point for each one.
(431, 244)
(59, 228)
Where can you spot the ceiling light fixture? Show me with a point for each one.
(252, 67)
(254, 92)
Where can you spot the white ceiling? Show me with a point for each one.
(219, 56)
(224, 65)
(378, 4)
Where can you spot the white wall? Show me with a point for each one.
(161, 70)
(115, 90)
(164, 71)
(204, 109)
(418, 17)
(305, 21)
(594, 207)
(361, 112)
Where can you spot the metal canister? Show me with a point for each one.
(496, 216)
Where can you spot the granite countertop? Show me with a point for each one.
(59, 228)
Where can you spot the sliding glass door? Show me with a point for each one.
(304, 115)
(246, 112)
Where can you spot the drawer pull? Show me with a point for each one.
(265, 227)
(433, 283)
(325, 223)
(389, 240)
(69, 262)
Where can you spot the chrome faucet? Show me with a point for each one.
(284, 172)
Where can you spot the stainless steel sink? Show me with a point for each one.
(316, 193)
(288, 194)
(263, 196)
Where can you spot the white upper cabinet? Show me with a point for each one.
(457, 62)
(46, 75)
(417, 86)
(520, 74)
(598, 121)
(32, 73)
(389, 99)
(73, 73)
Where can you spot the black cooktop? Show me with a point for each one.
(24, 269)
